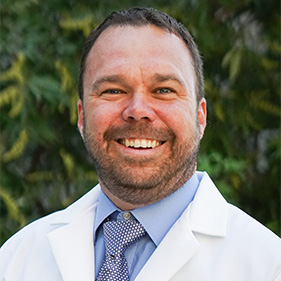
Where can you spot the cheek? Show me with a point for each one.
(99, 118)
(181, 119)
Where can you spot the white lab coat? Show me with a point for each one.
(211, 241)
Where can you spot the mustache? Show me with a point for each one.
(139, 130)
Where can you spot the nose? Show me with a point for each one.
(139, 107)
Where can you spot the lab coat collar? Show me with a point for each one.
(72, 241)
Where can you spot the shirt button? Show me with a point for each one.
(126, 216)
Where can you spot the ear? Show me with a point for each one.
(80, 122)
(202, 116)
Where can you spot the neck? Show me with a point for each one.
(122, 205)
(147, 197)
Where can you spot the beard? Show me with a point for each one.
(146, 180)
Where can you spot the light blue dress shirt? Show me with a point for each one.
(156, 218)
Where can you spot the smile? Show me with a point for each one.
(140, 143)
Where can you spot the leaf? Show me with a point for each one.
(12, 207)
(15, 72)
(219, 111)
(232, 60)
(17, 148)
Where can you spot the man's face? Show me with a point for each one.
(139, 118)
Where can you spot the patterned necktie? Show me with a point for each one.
(118, 236)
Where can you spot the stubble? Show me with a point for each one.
(145, 181)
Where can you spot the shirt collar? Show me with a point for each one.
(104, 209)
(156, 218)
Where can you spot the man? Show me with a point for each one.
(142, 114)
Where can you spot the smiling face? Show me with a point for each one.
(139, 117)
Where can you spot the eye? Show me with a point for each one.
(112, 91)
(164, 91)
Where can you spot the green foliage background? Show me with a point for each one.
(44, 166)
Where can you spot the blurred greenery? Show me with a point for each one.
(44, 166)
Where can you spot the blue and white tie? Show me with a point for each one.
(118, 236)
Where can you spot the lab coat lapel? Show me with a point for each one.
(73, 249)
(209, 210)
(177, 247)
(207, 215)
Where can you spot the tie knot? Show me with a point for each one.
(119, 235)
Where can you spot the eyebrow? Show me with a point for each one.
(111, 79)
(167, 77)
(118, 79)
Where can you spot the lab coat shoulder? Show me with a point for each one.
(30, 249)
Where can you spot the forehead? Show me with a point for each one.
(138, 42)
(133, 50)
(136, 33)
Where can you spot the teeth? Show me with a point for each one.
(127, 142)
(137, 143)
(143, 143)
